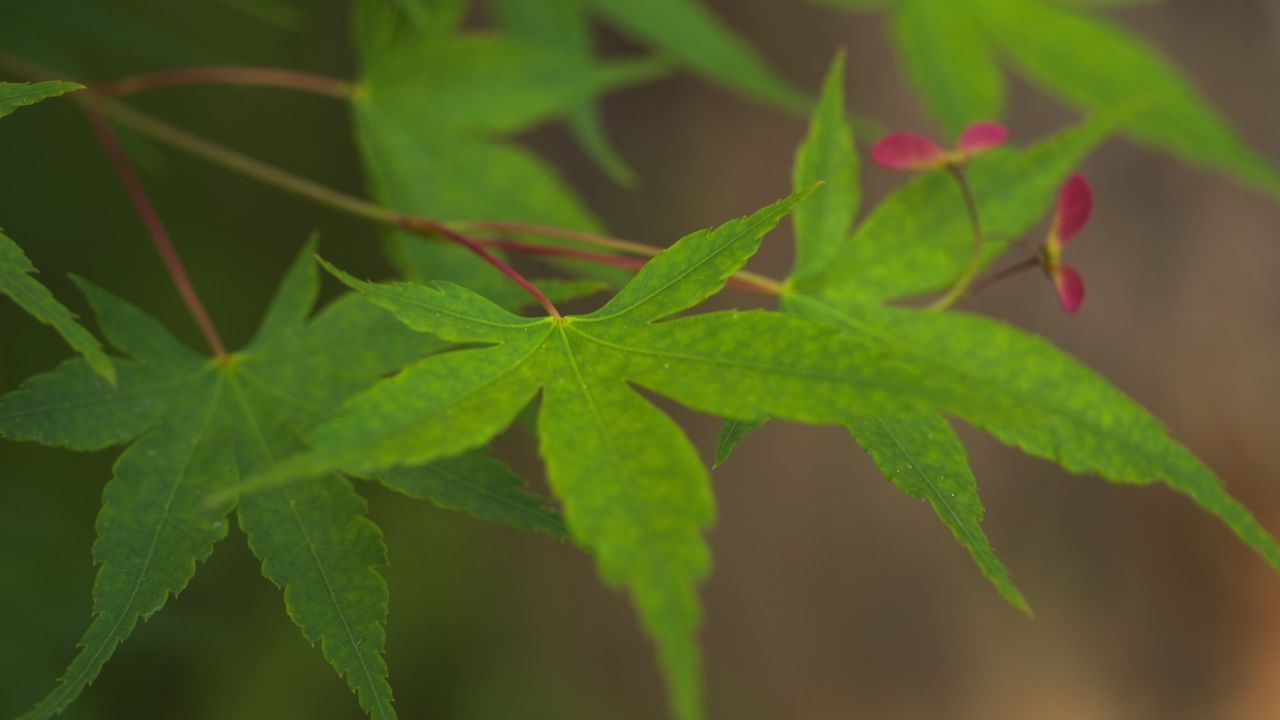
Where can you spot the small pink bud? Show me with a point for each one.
(907, 151)
(1075, 203)
(981, 137)
(1070, 288)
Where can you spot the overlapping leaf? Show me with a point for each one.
(562, 26)
(949, 51)
(431, 116)
(195, 426)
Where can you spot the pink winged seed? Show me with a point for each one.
(1070, 288)
(907, 151)
(981, 137)
(1075, 203)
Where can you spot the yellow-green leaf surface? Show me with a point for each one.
(16, 282)
(691, 33)
(1083, 60)
(196, 426)
(16, 95)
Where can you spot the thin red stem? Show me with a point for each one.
(604, 259)
(426, 226)
(997, 276)
(581, 236)
(155, 228)
(267, 77)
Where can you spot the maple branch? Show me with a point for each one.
(742, 280)
(961, 286)
(324, 195)
(589, 238)
(258, 76)
(115, 152)
(98, 98)
(424, 226)
(264, 172)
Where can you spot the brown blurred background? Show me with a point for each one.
(833, 595)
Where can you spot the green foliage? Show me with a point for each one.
(407, 383)
(17, 283)
(1034, 397)
(430, 117)
(562, 26)
(16, 269)
(827, 156)
(917, 240)
(923, 457)
(949, 50)
(195, 426)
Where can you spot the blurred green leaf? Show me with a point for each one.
(945, 53)
(561, 25)
(1093, 65)
(1086, 62)
(428, 119)
(691, 33)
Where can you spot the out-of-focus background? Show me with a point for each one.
(833, 595)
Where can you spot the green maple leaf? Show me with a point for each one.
(634, 492)
(953, 52)
(16, 270)
(196, 425)
(1065, 412)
